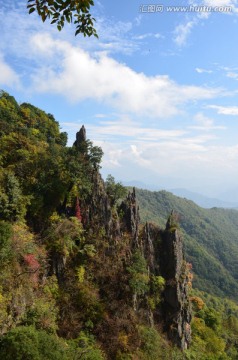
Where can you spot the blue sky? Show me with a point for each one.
(158, 91)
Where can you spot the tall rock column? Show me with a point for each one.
(131, 217)
(176, 300)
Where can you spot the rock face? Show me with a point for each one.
(173, 267)
(99, 211)
(150, 236)
(131, 217)
(161, 249)
(57, 266)
(80, 137)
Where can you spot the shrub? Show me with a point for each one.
(25, 342)
(139, 279)
(5, 236)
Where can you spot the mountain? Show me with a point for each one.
(82, 277)
(230, 195)
(210, 237)
(77, 267)
(226, 200)
(141, 185)
(204, 201)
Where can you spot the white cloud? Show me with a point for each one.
(146, 149)
(232, 75)
(205, 123)
(77, 75)
(201, 71)
(225, 110)
(182, 31)
(148, 35)
(220, 3)
(100, 115)
(164, 157)
(194, 156)
(138, 20)
(115, 37)
(8, 76)
(126, 128)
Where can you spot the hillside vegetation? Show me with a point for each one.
(210, 238)
(82, 278)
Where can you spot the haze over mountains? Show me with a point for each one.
(204, 201)
(227, 199)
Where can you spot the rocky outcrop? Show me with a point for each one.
(80, 137)
(173, 267)
(100, 211)
(150, 242)
(162, 250)
(57, 265)
(131, 218)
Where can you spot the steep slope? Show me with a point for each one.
(81, 276)
(210, 236)
(76, 266)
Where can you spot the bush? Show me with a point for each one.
(5, 236)
(30, 344)
(84, 348)
(151, 345)
(139, 279)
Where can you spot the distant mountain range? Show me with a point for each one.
(231, 200)
(204, 201)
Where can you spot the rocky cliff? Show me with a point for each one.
(162, 251)
(173, 267)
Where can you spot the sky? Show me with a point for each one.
(158, 91)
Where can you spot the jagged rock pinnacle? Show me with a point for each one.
(80, 137)
(176, 304)
(130, 209)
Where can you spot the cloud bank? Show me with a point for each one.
(79, 75)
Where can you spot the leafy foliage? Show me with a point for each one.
(139, 280)
(70, 11)
(151, 345)
(31, 344)
(5, 240)
(12, 202)
(114, 190)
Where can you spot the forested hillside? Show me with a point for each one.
(210, 237)
(82, 277)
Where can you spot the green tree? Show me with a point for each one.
(139, 278)
(206, 343)
(71, 11)
(211, 317)
(84, 348)
(114, 190)
(151, 345)
(12, 201)
(25, 342)
(5, 240)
